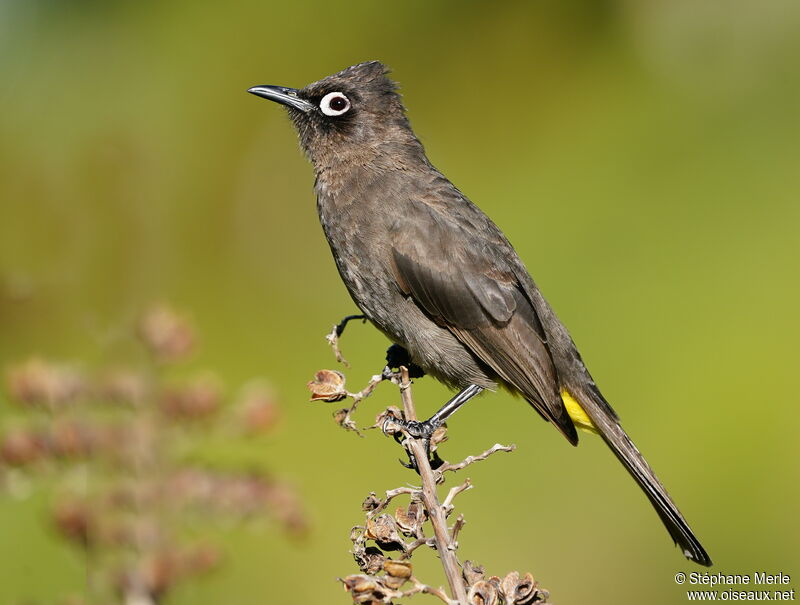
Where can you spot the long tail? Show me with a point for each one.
(627, 453)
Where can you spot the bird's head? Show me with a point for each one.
(353, 112)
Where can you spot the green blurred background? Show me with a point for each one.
(643, 158)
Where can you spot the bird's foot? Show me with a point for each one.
(402, 429)
(417, 429)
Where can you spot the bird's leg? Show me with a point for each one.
(423, 430)
(450, 408)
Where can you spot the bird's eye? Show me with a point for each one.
(334, 104)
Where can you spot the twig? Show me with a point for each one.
(390, 495)
(333, 340)
(431, 501)
(457, 527)
(336, 332)
(346, 420)
(447, 505)
(472, 459)
(424, 588)
(410, 548)
(367, 390)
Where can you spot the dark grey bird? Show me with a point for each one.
(438, 277)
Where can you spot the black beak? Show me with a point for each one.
(282, 95)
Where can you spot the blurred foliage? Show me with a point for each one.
(120, 448)
(642, 156)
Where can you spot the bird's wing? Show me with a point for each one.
(460, 277)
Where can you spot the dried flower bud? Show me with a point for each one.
(363, 589)
(167, 335)
(370, 503)
(115, 534)
(483, 593)
(74, 520)
(370, 560)
(473, 572)
(284, 504)
(521, 591)
(160, 571)
(383, 529)
(196, 400)
(21, 447)
(439, 436)
(398, 569)
(123, 387)
(42, 384)
(328, 385)
(343, 419)
(385, 418)
(258, 410)
(410, 519)
(71, 439)
(200, 559)
(357, 534)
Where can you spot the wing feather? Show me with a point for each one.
(462, 282)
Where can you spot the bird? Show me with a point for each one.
(431, 271)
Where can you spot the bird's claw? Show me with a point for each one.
(416, 430)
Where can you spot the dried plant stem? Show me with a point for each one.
(420, 587)
(430, 499)
(447, 505)
(391, 495)
(472, 459)
(333, 341)
(416, 544)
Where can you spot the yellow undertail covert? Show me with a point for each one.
(579, 417)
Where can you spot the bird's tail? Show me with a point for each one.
(637, 466)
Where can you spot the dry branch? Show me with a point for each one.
(383, 578)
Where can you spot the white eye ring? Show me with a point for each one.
(336, 98)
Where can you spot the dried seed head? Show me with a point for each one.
(74, 520)
(483, 593)
(370, 560)
(123, 387)
(521, 591)
(258, 410)
(21, 447)
(397, 569)
(364, 589)
(71, 439)
(370, 503)
(194, 401)
(411, 518)
(160, 571)
(343, 419)
(166, 334)
(38, 383)
(473, 572)
(439, 436)
(383, 529)
(284, 504)
(328, 385)
(201, 558)
(385, 418)
(357, 534)
(509, 586)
